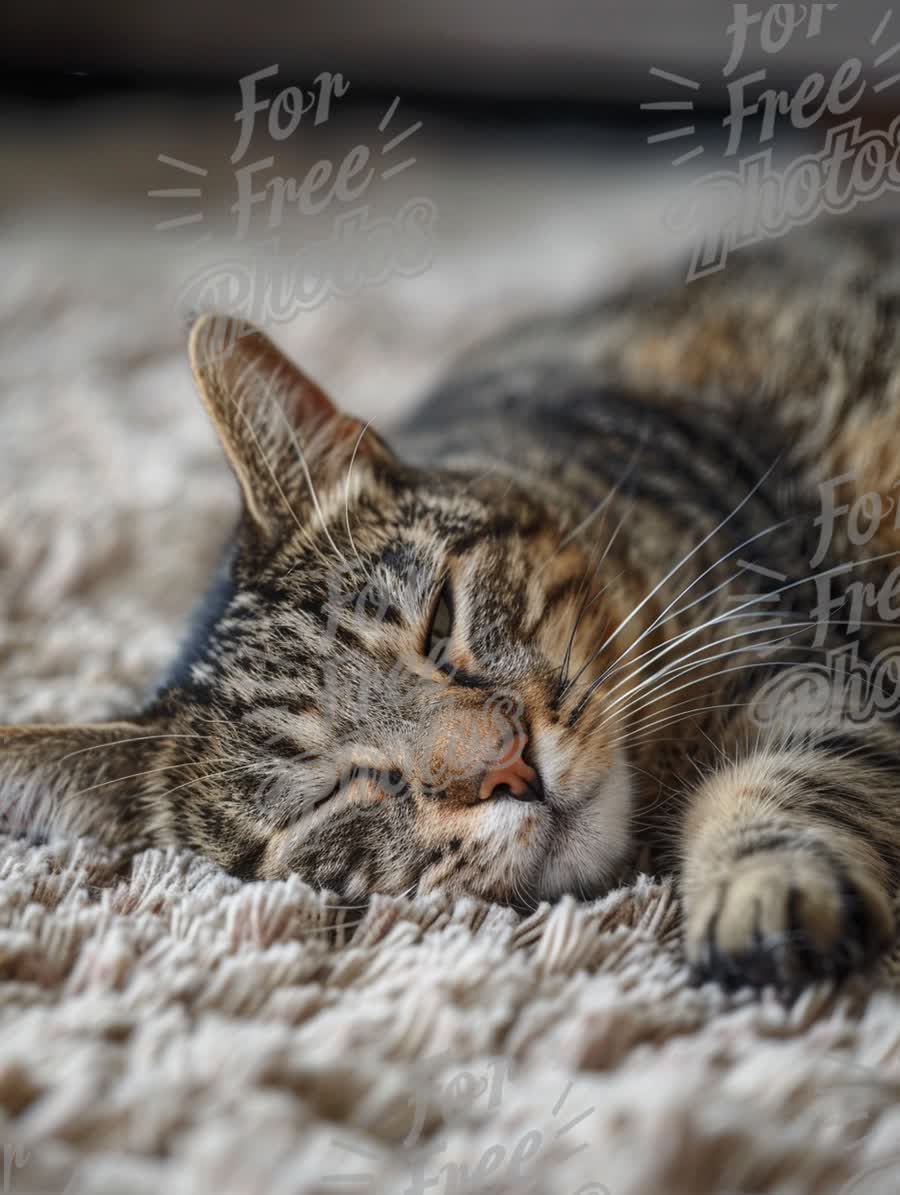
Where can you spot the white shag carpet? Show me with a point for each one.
(164, 1028)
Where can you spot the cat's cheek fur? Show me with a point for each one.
(495, 852)
(591, 840)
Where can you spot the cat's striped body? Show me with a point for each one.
(575, 618)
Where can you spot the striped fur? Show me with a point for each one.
(610, 516)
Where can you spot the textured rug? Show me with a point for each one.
(164, 1028)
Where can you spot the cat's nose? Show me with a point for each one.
(512, 777)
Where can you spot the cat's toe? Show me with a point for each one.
(786, 919)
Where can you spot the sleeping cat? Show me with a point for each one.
(575, 609)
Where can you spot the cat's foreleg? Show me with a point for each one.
(790, 855)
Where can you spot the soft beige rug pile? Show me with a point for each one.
(166, 1029)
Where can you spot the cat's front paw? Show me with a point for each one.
(786, 918)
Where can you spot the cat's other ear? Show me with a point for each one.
(280, 431)
(76, 780)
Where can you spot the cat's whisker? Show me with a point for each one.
(567, 539)
(660, 649)
(652, 654)
(586, 604)
(137, 775)
(604, 501)
(681, 563)
(526, 900)
(674, 665)
(736, 668)
(664, 793)
(479, 477)
(679, 667)
(208, 776)
(720, 618)
(724, 617)
(198, 717)
(359, 440)
(564, 671)
(651, 735)
(653, 713)
(581, 597)
(660, 620)
(656, 716)
(717, 748)
(639, 735)
(640, 699)
(845, 567)
(143, 738)
(727, 617)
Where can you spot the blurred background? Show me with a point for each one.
(574, 49)
(508, 152)
(502, 155)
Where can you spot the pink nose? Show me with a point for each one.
(512, 776)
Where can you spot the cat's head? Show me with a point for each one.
(391, 693)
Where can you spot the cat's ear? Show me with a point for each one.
(280, 431)
(78, 779)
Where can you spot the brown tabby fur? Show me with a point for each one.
(615, 495)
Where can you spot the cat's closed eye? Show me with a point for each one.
(441, 626)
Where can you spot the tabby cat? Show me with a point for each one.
(584, 604)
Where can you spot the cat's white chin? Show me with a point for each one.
(591, 839)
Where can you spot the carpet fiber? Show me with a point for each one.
(164, 1028)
